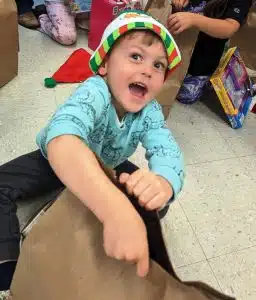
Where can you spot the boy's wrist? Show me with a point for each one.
(196, 21)
(166, 186)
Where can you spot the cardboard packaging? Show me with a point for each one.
(160, 9)
(63, 258)
(9, 41)
(233, 86)
(243, 39)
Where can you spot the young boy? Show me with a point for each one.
(99, 127)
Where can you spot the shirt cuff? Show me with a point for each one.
(172, 177)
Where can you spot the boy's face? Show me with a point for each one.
(135, 71)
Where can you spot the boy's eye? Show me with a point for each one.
(136, 56)
(160, 66)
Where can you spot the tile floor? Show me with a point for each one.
(211, 229)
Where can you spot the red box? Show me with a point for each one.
(102, 13)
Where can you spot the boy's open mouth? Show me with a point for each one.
(138, 89)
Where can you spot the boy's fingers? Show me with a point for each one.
(133, 180)
(185, 3)
(124, 177)
(143, 265)
(156, 202)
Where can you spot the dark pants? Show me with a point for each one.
(206, 55)
(29, 176)
(24, 6)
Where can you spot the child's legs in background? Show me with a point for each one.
(27, 176)
(204, 61)
(24, 6)
(59, 23)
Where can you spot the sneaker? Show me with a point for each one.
(192, 89)
(5, 295)
(83, 24)
(39, 10)
(28, 20)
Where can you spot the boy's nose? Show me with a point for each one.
(147, 71)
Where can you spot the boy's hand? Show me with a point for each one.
(179, 4)
(152, 191)
(125, 238)
(180, 21)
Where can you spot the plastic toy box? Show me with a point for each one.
(233, 87)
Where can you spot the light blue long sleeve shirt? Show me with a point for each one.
(90, 115)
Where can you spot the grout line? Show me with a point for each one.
(248, 155)
(201, 248)
(209, 259)
(191, 264)
(210, 161)
(231, 252)
(222, 159)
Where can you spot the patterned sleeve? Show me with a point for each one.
(162, 152)
(77, 116)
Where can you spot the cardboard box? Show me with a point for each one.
(9, 41)
(232, 84)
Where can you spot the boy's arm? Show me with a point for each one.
(162, 152)
(180, 21)
(77, 167)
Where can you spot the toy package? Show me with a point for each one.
(233, 86)
(102, 13)
(80, 6)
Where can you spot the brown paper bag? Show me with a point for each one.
(244, 39)
(8, 41)
(186, 42)
(63, 258)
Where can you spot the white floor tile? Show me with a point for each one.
(249, 163)
(219, 201)
(196, 135)
(236, 273)
(180, 239)
(25, 109)
(200, 271)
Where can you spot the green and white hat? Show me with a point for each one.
(130, 20)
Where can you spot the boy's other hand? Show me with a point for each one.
(151, 190)
(180, 21)
(179, 4)
(125, 238)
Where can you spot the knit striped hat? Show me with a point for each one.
(130, 20)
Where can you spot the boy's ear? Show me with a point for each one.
(103, 68)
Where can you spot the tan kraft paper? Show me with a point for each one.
(245, 40)
(8, 41)
(186, 42)
(63, 258)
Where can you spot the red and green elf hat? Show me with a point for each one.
(75, 69)
(134, 20)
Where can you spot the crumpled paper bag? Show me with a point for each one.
(62, 258)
